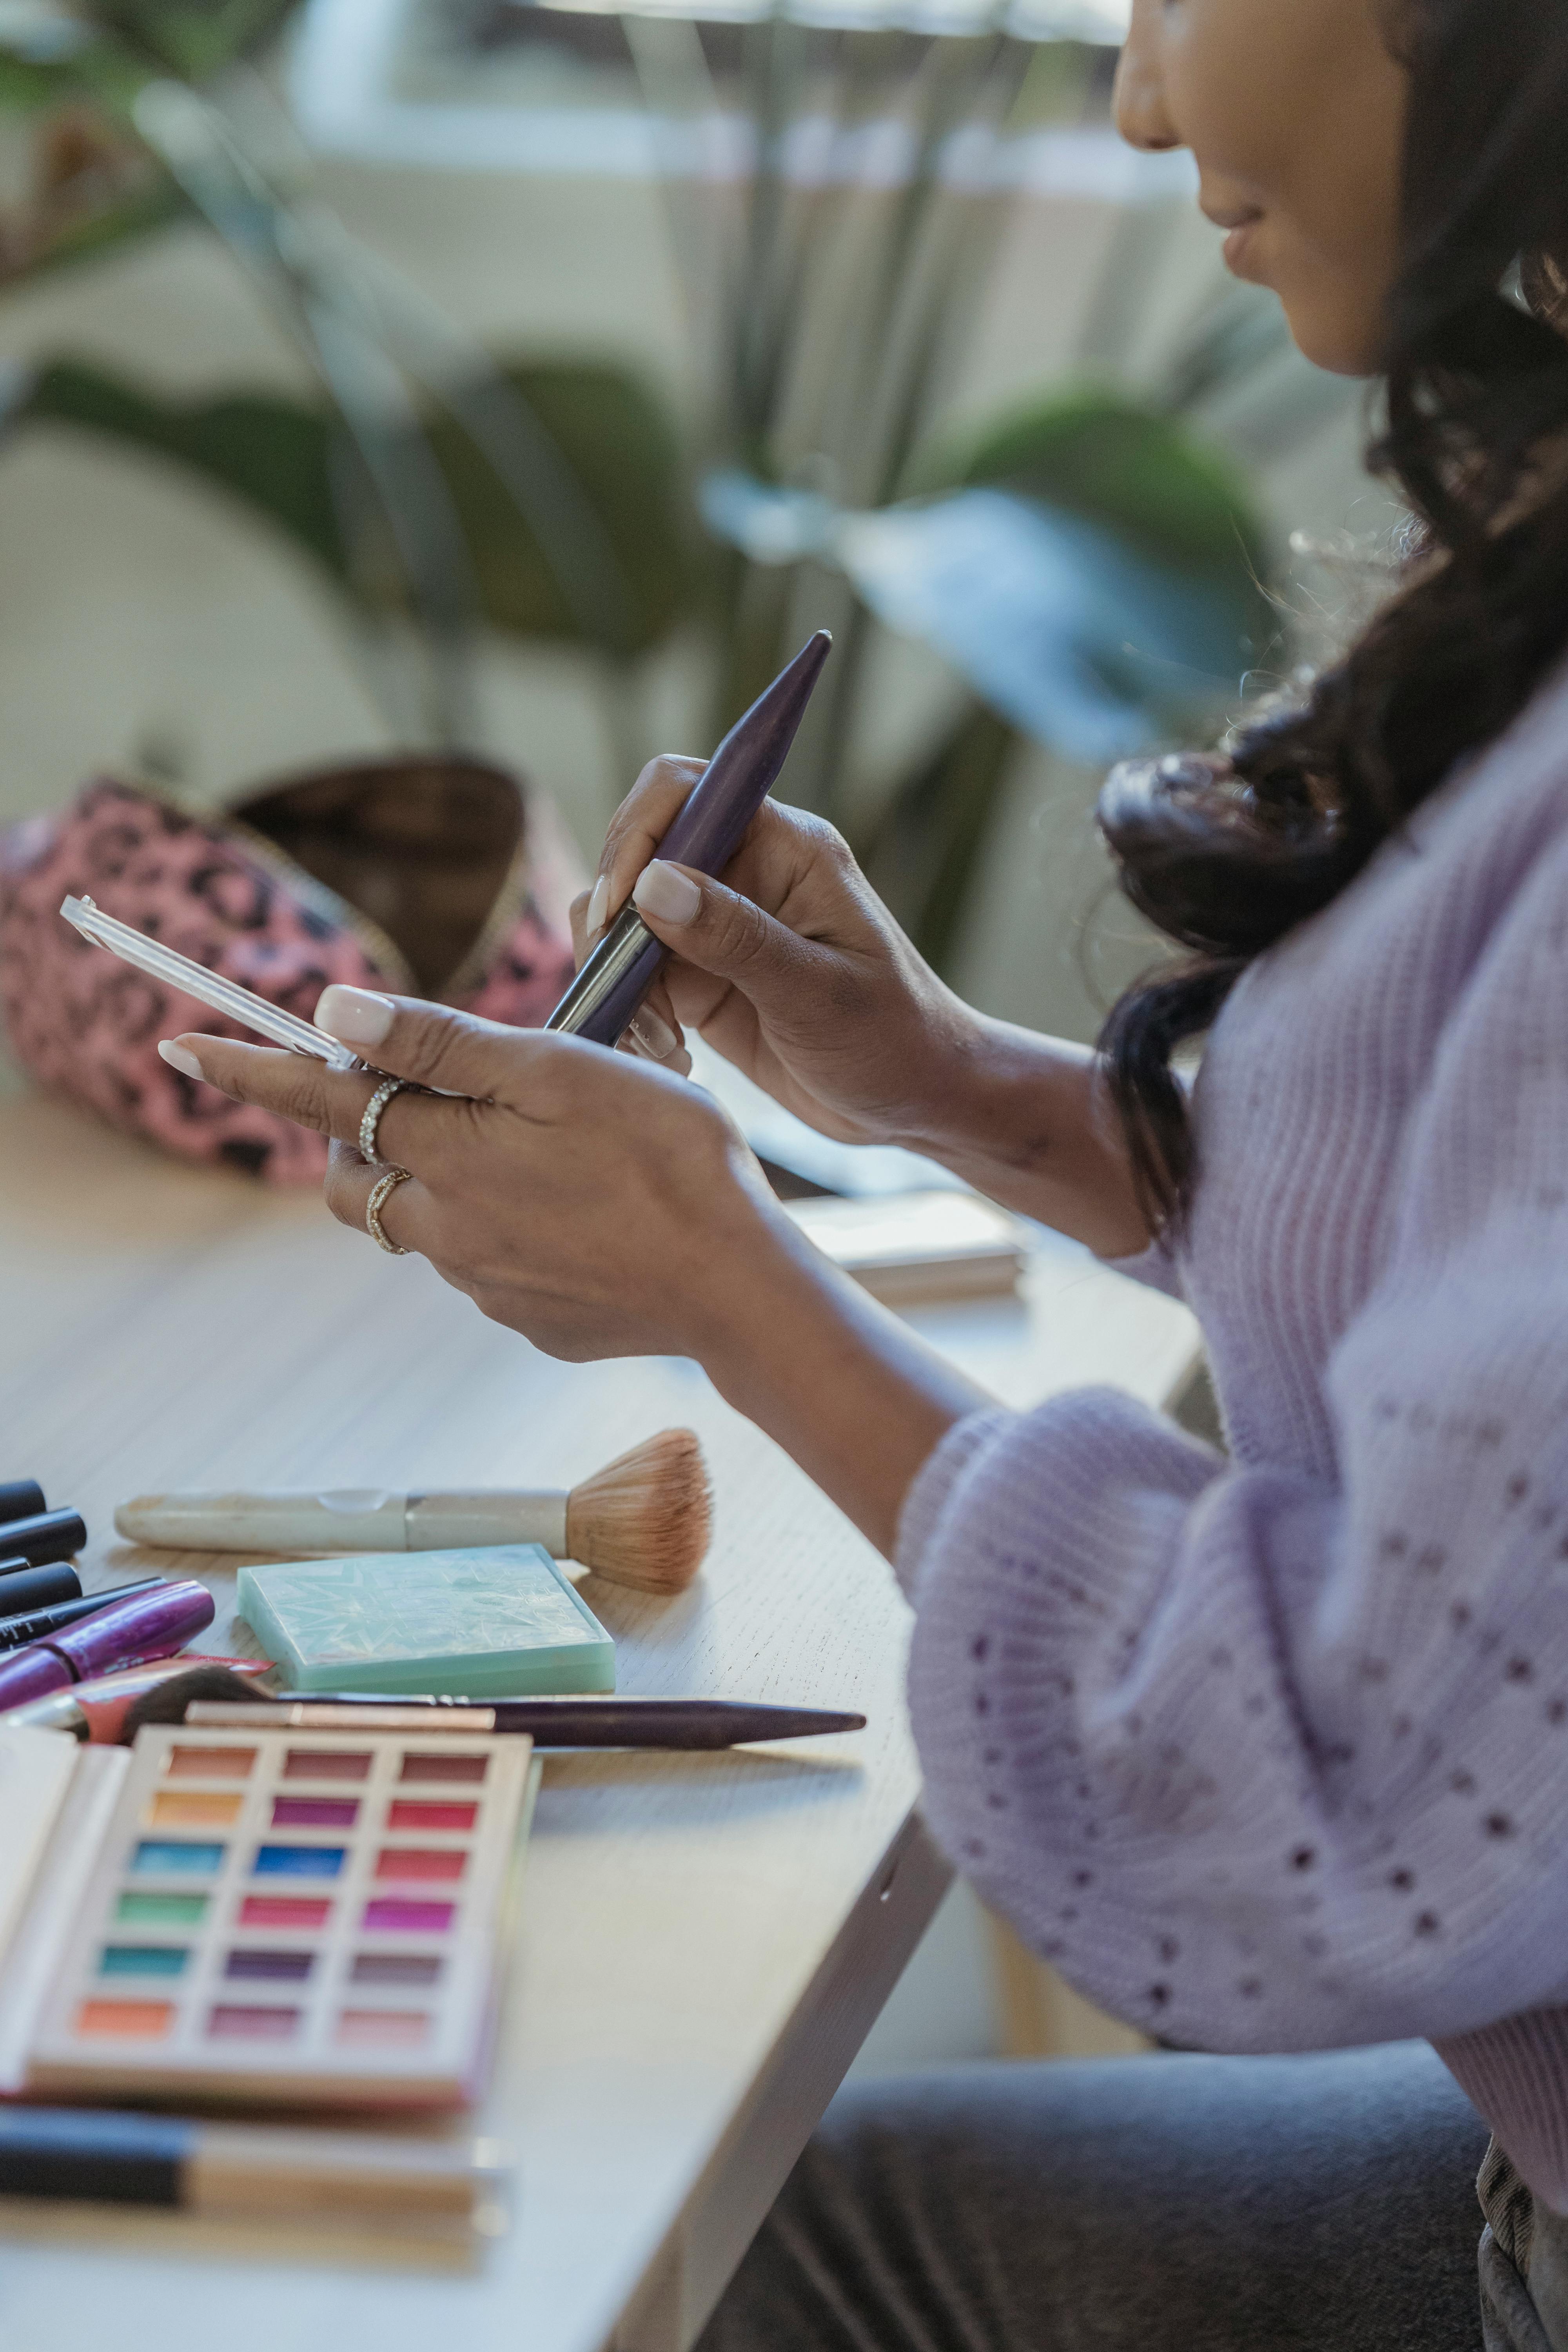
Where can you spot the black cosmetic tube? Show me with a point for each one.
(22, 1498)
(26, 1589)
(46, 1536)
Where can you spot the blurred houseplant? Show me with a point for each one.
(1092, 572)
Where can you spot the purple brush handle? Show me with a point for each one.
(705, 836)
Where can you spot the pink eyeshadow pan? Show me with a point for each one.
(384, 2027)
(284, 1911)
(405, 1916)
(229, 2021)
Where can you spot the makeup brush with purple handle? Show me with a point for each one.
(705, 836)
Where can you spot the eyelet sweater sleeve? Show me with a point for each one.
(1271, 1753)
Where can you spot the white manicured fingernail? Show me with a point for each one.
(666, 894)
(181, 1058)
(357, 1016)
(655, 1037)
(598, 906)
(680, 1062)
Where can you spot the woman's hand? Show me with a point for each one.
(588, 1202)
(792, 967)
(602, 1208)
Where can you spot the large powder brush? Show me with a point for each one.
(644, 1520)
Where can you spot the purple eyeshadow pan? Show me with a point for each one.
(275, 1968)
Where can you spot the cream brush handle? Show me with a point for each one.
(343, 1519)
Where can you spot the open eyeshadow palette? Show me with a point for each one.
(273, 1918)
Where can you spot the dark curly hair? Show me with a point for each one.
(1226, 854)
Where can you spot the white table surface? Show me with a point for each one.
(705, 1939)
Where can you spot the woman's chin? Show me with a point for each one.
(1344, 338)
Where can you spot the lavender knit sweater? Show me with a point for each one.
(1271, 1753)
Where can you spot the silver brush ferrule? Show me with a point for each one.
(626, 938)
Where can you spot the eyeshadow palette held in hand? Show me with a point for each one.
(256, 1917)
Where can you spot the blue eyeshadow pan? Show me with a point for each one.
(179, 1854)
(299, 1861)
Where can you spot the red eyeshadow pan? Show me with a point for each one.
(468, 1769)
(284, 1911)
(421, 1862)
(429, 1813)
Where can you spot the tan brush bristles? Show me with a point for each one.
(644, 1520)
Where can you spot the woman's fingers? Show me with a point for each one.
(636, 830)
(404, 1214)
(332, 1102)
(720, 932)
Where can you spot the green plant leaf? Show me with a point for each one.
(922, 853)
(1100, 456)
(277, 457)
(1081, 640)
(615, 438)
(272, 453)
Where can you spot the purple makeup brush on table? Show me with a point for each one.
(705, 836)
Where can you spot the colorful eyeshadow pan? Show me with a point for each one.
(210, 1763)
(146, 2020)
(298, 1861)
(314, 1812)
(383, 2027)
(272, 1967)
(396, 1968)
(176, 1857)
(143, 1961)
(136, 1909)
(422, 1862)
(284, 1911)
(403, 1916)
(326, 1764)
(467, 1770)
(195, 1809)
(426, 1813)
(230, 2022)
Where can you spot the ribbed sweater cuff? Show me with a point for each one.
(1516, 2074)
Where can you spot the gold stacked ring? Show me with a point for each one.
(371, 1119)
(386, 1187)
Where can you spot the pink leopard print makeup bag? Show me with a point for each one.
(426, 875)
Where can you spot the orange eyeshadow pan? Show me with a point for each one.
(147, 2021)
(195, 1809)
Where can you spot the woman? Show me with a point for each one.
(1269, 1754)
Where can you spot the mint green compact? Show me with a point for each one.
(496, 1621)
